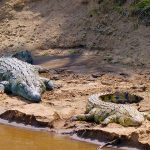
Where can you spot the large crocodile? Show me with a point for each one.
(101, 108)
(21, 78)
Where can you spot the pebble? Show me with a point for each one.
(96, 75)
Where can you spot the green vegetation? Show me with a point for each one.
(142, 4)
(119, 9)
(142, 9)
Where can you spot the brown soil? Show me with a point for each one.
(88, 50)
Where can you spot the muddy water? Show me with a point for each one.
(12, 138)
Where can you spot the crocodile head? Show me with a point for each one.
(131, 118)
(32, 93)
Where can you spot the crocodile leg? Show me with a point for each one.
(48, 83)
(3, 86)
(82, 117)
(109, 119)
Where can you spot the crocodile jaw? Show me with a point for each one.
(33, 96)
(135, 120)
(138, 120)
(31, 93)
(136, 117)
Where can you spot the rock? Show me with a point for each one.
(123, 74)
(96, 75)
(11, 45)
(91, 79)
(140, 88)
(55, 77)
(18, 6)
(107, 82)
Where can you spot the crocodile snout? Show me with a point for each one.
(138, 120)
(36, 97)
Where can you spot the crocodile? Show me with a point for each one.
(106, 108)
(24, 55)
(22, 79)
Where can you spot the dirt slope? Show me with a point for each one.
(67, 24)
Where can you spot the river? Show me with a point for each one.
(16, 138)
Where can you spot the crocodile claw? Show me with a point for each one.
(1, 90)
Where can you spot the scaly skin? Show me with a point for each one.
(101, 111)
(21, 78)
(24, 55)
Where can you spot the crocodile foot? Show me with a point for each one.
(1, 90)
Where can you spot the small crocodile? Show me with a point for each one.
(21, 78)
(102, 108)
